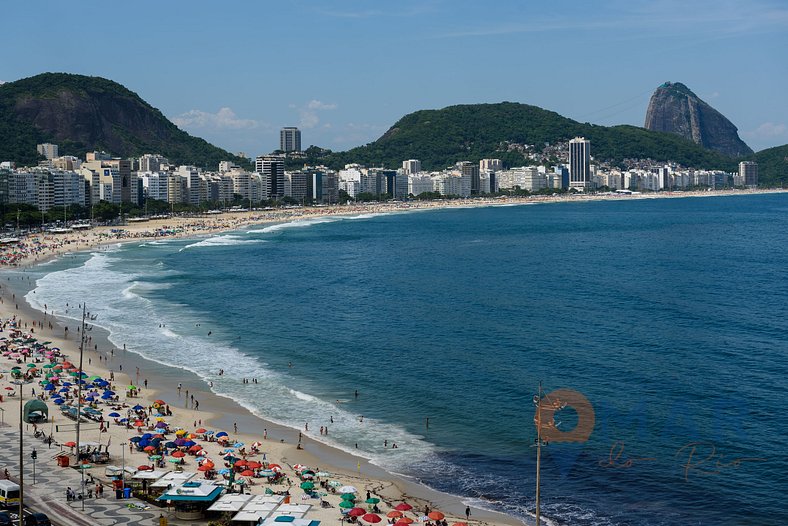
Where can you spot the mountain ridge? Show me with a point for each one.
(82, 114)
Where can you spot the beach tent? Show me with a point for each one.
(35, 411)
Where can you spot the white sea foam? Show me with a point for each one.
(299, 223)
(164, 332)
(222, 241)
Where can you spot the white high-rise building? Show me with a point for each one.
(580, 164)
(490, 165)
(748, 173)
(411, 166)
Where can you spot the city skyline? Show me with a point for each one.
(352, 71)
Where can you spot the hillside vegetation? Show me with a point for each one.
(82, 114)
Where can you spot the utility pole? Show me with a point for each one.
(79, 397)
(538, 403)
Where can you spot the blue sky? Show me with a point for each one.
(235, 72)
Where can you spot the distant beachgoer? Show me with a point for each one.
(265, 434)
(235, 427)
(331, 418)
(356, 393)
(386, 443)
(467, 512)
(306, 426)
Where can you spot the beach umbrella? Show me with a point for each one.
(346, 504)
(394, 514)
(180, 432)
(205, 467)
(254, 465)
(322, 474)
(161, 425)
(135, 439)
(371, 518)
(238, 444)
(137, 407)
(372, 500)
(200, 430)
(348, 496)
(403, 506)
(114, 415)
(84, 466)
(267, 473)
(241, 463)
(357, 512)
(221, 434)
(189, 443)
(307, 485)
(195, 448)
(160, 402)
(284, 518)
(224, 471)
(436, 515)
(149, 448)
(247, 473)
(144, 468)
(178, 454)
(58, 401)
(405, 520)
(49, 387)
(70, 444)
(175, 460)
(298, 467)
(347, 489)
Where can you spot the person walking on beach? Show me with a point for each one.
(467, 513)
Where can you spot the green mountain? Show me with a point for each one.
(82, 114)
(439, 138)
(772, 165)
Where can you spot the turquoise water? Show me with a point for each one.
(669, 316)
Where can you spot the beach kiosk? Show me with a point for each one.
(191, 499)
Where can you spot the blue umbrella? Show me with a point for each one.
(90, 399)
(171, 445)
(114, 415)
(124, 420)
(135, 439)
(49, 387)
(229, 450)
(58, 401)
(223, 471)
(138, 407)
(109, 392)
(221, 434)
(67, 384)
(189, 443)
(209, 432)
(106, 396)
(238, 444)
(147, 436)
(63, 390)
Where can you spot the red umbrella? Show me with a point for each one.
(205, 467)
(178, 454)
(403, 506)
(436, 515)
(70, 444)
(240, 463)
(144, 468)
(371, 517)
(405, 520)
(195, 448)
(357, 512)
(149, 448)
(394, 514)
(253, 465)
(200, 430)
(139, 423)
(247, 473)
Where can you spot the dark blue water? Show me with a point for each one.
(669, 316)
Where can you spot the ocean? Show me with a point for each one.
(667, 315)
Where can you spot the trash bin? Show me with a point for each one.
(126, 493)
(62, 461)
(118, 493)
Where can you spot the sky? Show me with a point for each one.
(235, 72)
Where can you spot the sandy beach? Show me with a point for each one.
(154, 381)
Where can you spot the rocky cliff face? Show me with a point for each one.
(674, 108)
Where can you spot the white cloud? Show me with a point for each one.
(308, 113)
(225, 118)
(2, 82)
(768, 130)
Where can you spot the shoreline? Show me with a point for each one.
(220, 410)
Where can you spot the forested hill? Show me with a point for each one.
(471, 132)
(82, 114)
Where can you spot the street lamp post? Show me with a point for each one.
(20, 383)
(123, 466)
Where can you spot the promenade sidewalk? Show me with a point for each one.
(48, 495)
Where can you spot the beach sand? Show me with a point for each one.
(216, 412)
